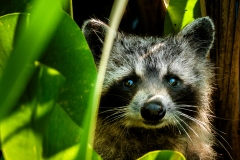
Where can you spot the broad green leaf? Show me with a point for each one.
(62, 138)
(179, 14)
(69, 53)
(71, 154)
(163, 155)
(28, 47)
(61, 133)
(73, 53)
(22, 132)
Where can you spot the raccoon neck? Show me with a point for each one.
(121, 142)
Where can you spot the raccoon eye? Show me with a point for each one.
(128, 83)
(172, 81)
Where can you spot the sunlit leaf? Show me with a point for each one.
(179, 14)
(61, 133)
(69, 53)
(71, 153)
(163, 155)
(28, 47)
(62, 137)
(7, 26)
(22, 132)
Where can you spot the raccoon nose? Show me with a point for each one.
(153, 111)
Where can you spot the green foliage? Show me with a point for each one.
(179, 14)
(44, 113)
(22, 57)
(7, 26)
(32, 113)
(68, 53)
(163, 155)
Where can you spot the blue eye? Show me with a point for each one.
(128, 83)
(172, 81)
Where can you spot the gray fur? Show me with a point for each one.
(126, 136)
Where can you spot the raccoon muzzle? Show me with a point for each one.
(153, 111)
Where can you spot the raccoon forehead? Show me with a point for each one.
(141, 58)
(151, 50)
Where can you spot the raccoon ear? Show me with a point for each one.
(199, 35)
(94, 31)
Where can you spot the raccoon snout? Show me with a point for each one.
(153, 111)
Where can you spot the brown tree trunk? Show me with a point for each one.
(226, 56)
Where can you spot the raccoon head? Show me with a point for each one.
(154, 82)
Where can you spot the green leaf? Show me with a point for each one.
(22, 132)
(7, 26)
(179, 14)
(72, 153)
(61, 134)
(28, 47)
(163, 155)
(62, 138)
(67, 6)
(26, 6)
(69, 53)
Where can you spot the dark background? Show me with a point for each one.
(143, 17)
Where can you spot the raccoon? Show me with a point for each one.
(156, 92)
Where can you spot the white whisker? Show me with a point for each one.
(188, 126)
(182, 128)
(225, 149)
(200, 123)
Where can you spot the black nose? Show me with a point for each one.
(153, 111)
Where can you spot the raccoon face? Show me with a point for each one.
(155, 82)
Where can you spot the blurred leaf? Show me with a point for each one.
(22, 131)
(7, 26)
(163, 155)
(179, 14)
(28, 47)
(67, 6)
(72, 153)
(69, 53)
(26, 6)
